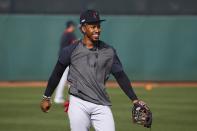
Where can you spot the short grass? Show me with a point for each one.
(174, 109)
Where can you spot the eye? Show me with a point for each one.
(93, 27)
(96, 26)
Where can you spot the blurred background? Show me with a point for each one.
(155, 39)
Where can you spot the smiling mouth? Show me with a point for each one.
(95, 35)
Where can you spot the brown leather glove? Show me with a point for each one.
(45, 104)
(141, 114)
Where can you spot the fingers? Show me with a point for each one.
(45, 109)
(45, 105)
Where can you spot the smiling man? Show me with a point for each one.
(91, 62)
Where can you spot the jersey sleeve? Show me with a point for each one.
(54, 79)
(65, 55)
(62, 63)
(125, 85)
(122, 78)
(117, 65)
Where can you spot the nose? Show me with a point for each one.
(97, 29)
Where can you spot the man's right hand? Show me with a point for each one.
(45, 104)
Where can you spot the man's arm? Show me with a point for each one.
(141, 113)
(125, 85)
(63, 62)
(122, 79)
(54, 79)
(52, 84)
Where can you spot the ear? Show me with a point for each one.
(83, 29)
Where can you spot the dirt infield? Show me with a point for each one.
(108, 84)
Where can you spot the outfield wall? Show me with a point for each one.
(158, 48)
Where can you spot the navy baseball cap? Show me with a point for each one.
(90, 16)
(70, 23)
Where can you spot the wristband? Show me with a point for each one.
(48, 98)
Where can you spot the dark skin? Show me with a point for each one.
(91, 33)
(45, 105)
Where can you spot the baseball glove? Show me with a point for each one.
(141, 114)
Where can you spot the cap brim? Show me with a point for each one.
(102, 20)
(96, 21)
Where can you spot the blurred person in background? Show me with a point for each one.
(68, 37)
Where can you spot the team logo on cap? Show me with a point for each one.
(95, 15)
(83, 20)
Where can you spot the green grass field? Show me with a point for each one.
(174, 109)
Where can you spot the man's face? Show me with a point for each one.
(72, 28)
(92, 31)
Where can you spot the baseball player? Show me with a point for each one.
(91, 61)
(67, 38)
